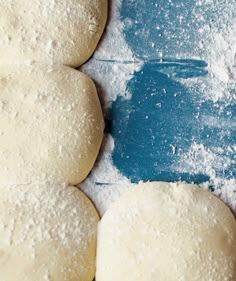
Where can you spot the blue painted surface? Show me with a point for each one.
(166, 24)
(163, 114)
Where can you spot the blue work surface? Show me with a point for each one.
(164, 117)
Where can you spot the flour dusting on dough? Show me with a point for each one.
(113, 64)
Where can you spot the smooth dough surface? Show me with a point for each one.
(51, 124)
(46, 233)
(167, 232)
(65, 32)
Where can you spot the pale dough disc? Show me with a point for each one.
(47, 233)
(65, 32)
(51, 124)
(167, 232)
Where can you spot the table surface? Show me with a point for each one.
(156, 130)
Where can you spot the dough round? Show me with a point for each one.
(168, 232)
(65, 32)
(51, 124)
(46, 233)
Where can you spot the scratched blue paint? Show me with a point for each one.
(163, 114)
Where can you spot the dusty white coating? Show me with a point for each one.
(113, 63)
(111, 67)
(47, 233)
(51, 124)
(215, 42)
(105, 183)
(167, 231)
(65, 32)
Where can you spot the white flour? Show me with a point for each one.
(113, 65)
(105, 172)
(217, 46)
(217, 42)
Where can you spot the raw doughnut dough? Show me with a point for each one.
(51, 124)
(46, 233)
(65, 32)
(167, 232)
